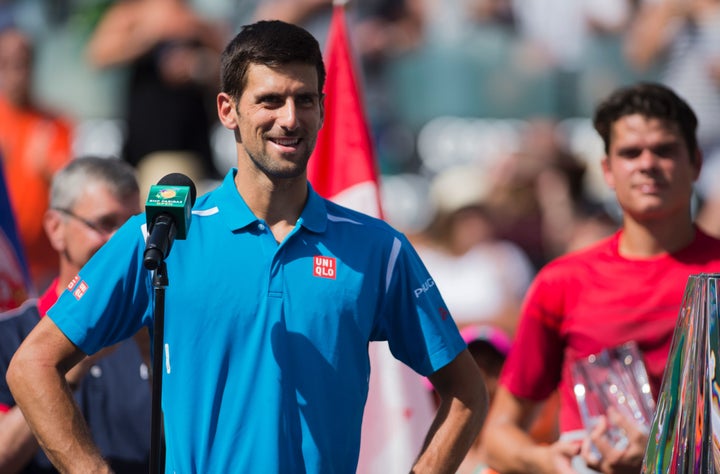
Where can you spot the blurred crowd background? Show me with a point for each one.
(480, 110)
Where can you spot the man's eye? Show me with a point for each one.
(270, 100)
(664, 150)
(629, 153)
(306, 101)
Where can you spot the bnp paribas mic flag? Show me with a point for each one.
(14, 276)
(399, 410)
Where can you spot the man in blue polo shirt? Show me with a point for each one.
(90, 198)
(273, 299)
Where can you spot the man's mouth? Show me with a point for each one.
(286, 141)
(649, 188)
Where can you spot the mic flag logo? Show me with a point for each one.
(167, 193)
(324, 267)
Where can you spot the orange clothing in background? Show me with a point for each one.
(34, 145)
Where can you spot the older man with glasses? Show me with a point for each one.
(90, 199)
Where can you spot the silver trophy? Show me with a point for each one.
(684, 434)
(617, 378)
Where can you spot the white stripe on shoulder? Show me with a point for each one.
(206, 212)
(391, 262)
(342, 219)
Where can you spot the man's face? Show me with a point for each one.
(97, 214)
(650, 168)
(278, 118)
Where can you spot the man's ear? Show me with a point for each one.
(226, 111)
(697, 163)
(607, 173)
(54, 225)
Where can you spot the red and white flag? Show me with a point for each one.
(343, 168)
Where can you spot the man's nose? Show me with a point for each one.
(288, 115)
(648, 159)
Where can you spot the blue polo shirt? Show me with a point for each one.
(266, 344)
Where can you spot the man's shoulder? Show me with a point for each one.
(15, 325)
(604, 247)
(341, 215)
(27, 314)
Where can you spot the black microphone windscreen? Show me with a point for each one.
(179, 179)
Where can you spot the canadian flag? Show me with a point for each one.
(343, 168)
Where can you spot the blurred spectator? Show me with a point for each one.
(314, 15)
(683, 36)
(482, 278)
(489, 346)
(379, 27)
(91, 198)
(561, 33)
(173, 57)
(560, 29)
(35, 143)
(540, 201)
(453, 22)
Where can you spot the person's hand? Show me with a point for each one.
(615, 459)
(556, 458)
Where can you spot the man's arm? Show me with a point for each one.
(17, 443)
(36, 377)
(463, 406)
(511, 450)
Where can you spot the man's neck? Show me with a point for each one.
(653, 238)
(278, 204)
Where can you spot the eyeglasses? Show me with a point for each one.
(104, 225)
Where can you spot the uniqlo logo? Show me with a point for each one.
(324, 267)
(74, 281)
(80, 290)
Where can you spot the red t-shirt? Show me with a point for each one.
(594, 299)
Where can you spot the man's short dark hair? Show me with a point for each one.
(651, 100)
(270, 43)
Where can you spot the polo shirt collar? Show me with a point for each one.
(314, 215)
(238, 215)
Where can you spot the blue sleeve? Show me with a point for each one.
(414, 318)
(110, 299)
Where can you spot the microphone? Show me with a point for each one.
(167, 211)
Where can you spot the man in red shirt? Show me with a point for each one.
(628, 287)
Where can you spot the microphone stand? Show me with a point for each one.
(157, 435)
